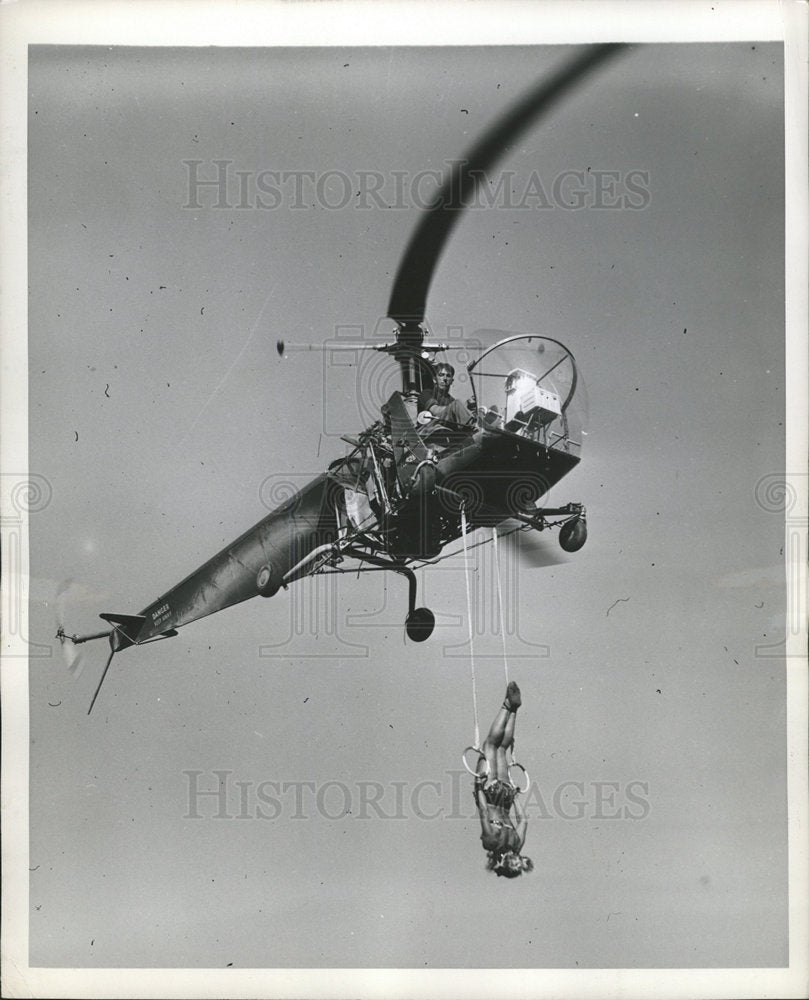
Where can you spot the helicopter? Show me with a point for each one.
(416, 479)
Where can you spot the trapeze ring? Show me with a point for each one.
(481, 756)
(523, 790)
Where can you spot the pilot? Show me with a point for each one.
(502, 817)
(440, 403)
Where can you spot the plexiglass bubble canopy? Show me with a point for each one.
(530, 386)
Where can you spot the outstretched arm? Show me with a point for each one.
(521, 825)
(483, 812)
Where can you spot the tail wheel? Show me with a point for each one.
(267, 583)
(419, 624)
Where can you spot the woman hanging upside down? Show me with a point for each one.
(497, 798)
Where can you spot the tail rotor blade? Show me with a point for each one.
(73, 657)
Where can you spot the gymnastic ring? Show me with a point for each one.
(522, 791)
(482, 756)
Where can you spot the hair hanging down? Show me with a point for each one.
(497, 863)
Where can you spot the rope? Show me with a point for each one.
(484, 541)
(500, 601)
(471, 628)
(512, 762)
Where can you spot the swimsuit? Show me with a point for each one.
(500, 794)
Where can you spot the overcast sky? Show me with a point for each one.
(163, 420)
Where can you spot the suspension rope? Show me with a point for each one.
(512, 762)
(500, 601)
(471, 628)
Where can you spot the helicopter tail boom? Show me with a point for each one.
(256, 563)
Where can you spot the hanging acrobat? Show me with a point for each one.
(498, 799)
(503, 820)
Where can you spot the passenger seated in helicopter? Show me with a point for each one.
(440, 404)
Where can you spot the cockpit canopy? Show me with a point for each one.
(516, 384)
(529, 386)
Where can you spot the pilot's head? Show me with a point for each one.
(444, 374)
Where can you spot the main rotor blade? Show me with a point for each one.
(412, 283)
(284, 348)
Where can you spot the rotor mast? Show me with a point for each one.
(409, 341)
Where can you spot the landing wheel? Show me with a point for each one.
(267, 582)
(419, 624)
(573, 534)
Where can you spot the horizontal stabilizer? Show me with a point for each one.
(108, 616)
(126, 625)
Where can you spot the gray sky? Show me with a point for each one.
(161, 416)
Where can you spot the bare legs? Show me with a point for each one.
(503, 836)
(501, 735)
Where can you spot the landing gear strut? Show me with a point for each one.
(419, 622)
